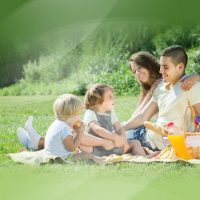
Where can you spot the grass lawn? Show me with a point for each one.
(83, 181)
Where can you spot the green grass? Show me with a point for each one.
(83, 181)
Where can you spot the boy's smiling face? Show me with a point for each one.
(171, 73)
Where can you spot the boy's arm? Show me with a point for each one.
(72, 142)
(144, 115)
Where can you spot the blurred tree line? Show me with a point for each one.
(94, 48)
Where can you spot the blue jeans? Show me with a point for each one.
(139, 134)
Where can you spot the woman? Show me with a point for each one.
(145, 68)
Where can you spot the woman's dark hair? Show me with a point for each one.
(149, 62)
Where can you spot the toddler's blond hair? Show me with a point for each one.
(66, 106)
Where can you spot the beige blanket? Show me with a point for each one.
(31, 157)
(40, 157)
(167, 155)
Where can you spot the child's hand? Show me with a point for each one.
(118, 141)
(77, 124)
(79, 127)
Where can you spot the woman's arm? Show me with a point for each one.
(122, 134)
(141, 106)
(144, 115)
(147, 98)
(189, 81)
(119, 129)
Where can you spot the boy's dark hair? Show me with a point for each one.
(177, 53)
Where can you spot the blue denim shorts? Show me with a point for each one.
(140, 134)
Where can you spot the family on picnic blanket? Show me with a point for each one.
(166, 92)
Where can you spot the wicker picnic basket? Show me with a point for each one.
(194, 151)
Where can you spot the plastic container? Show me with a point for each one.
(178, 143)
(173, 130)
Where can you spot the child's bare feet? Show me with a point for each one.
(23, 149)
(152, 155)
(126, 148)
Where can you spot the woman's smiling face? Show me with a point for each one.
(140, 73)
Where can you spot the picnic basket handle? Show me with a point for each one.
(185, 131)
